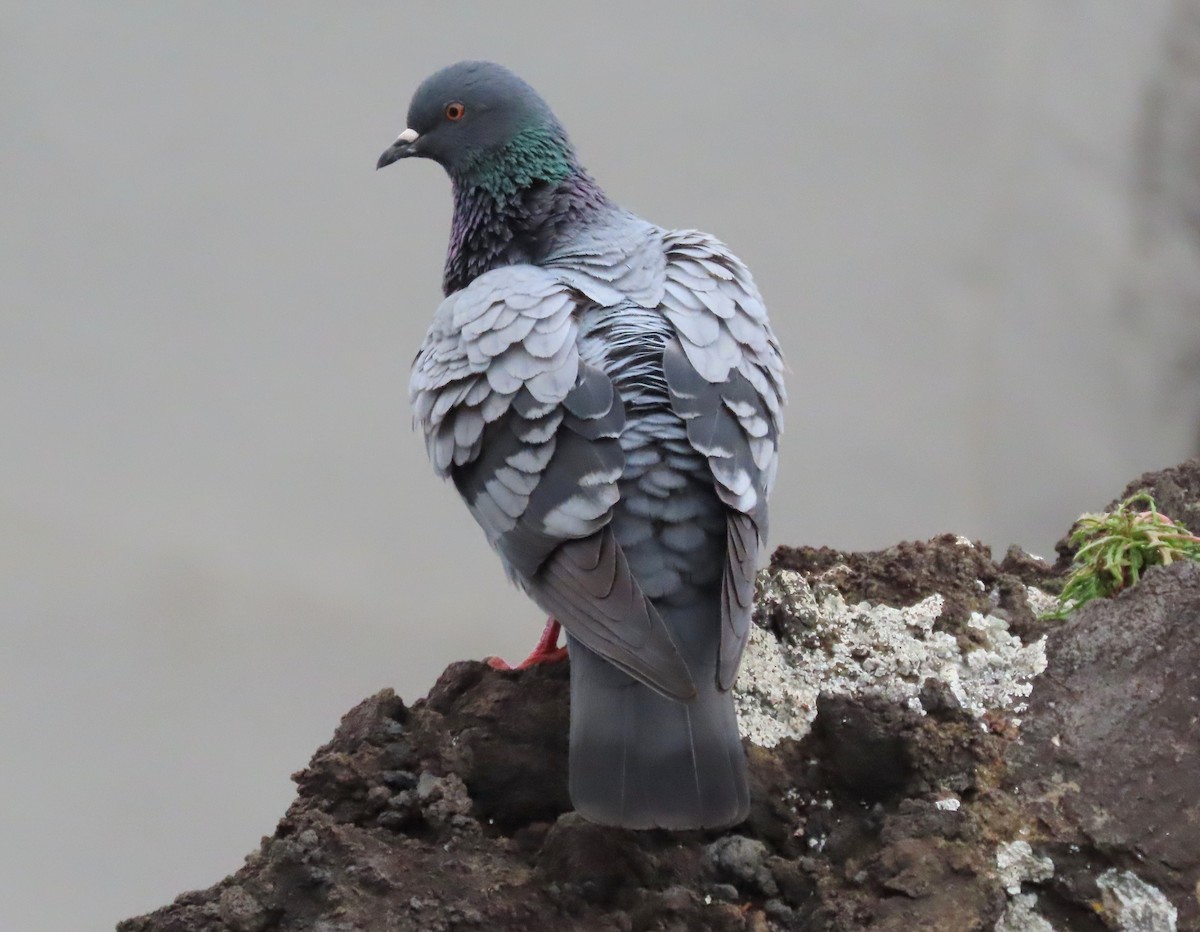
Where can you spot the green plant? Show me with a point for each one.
(1116, 547)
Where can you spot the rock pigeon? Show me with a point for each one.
(606, 396)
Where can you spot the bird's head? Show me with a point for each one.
(477, 118)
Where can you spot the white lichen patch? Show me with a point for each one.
(1021, 915)
(840, 649)
(1134, 905)
(1040, 602)
(1016, 863)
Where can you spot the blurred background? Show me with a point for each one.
(976, 227)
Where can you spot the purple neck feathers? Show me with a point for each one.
(506, 224)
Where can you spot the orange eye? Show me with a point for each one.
(455, 111)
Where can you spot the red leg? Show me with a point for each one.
(546, 651)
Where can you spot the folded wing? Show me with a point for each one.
(529, 433)
(725, 376)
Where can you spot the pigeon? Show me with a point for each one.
(606, 395)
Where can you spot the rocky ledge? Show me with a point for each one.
(925, 754)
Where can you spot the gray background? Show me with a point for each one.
(974, 225)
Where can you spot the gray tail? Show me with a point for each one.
(640, 760)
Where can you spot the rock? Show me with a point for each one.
(596, 861)
(1022, 916)
(240, 911)
(743, 860)
(919, 798)
(1131, 905)
(1016, 863)
(809, 639)
(1109, 755)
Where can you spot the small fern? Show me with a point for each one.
(1117, 547)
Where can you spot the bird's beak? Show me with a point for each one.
(401, 148)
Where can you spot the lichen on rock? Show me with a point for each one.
(1134, 905)
(1016, 863)
(829, 646)
(901, 808)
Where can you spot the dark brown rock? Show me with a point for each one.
(962, 573)
(1110, 752)
(452, 814)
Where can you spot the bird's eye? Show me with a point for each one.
(455, 111)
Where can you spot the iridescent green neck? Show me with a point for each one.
(539, 153)
(517, 204)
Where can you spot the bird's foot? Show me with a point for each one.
(546, 651)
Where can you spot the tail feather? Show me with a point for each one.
(641, 760)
